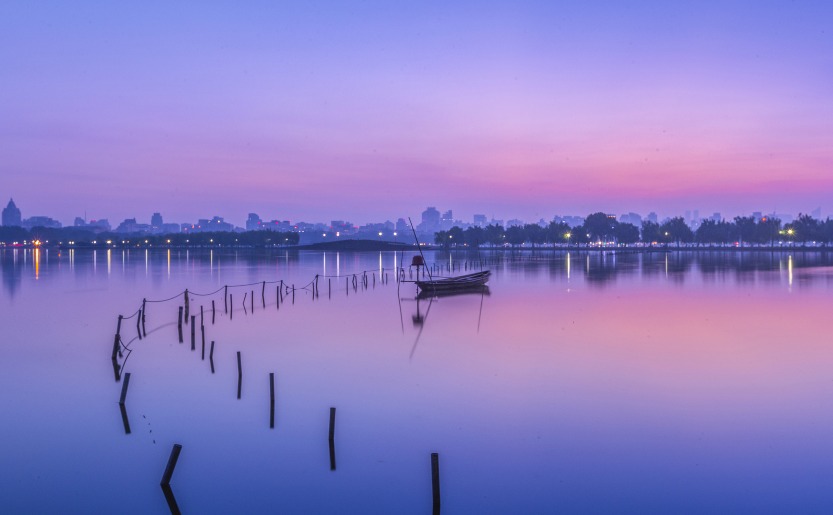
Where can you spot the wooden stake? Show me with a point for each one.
(271, 400)
(239, 376)
(169, 469)
(124, 388)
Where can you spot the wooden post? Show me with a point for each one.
(263, 295)
(293, 294)
(187, 306)
(225, 297)
(271, 400)
(231, 301)
(193, 333)
(332, 424)
(202, 330)
(144, 330)
(124, 388)
(117, 339)
(278, 297)
(169, 469)
(213, 312)
(211, 356)
(253, 302)
(435, 479)
(202, 321)
(281, 290)
(329, 288)
(179, 324)
(138, 322)
(239, 375)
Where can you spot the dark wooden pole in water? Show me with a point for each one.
(213, 312)
(117, 338)
(187, 306)
(138, 322)
(293, 294)
(263, 294)
(253, 301)
(329, 288)
(124, 388)
(278, 297)
(202, 330)
(225, 297)
(271, 400)
(435, 479)
(179, 324)
(281, 290)
(239, 375)
(193, 333)
(144, 331)
(231, 301)
(332, 424)
(169, 469)
(211, 356)
(202, 320)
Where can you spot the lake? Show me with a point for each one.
(583, 382)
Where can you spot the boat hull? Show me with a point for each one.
(453, 284)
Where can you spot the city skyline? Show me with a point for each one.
(448, 216)
(519, 110)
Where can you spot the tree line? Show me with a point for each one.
(601, 228)
(85, 238)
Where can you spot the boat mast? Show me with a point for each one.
(420, 249)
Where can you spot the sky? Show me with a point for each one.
(367, 111)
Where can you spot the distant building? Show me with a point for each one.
(216, 224)
(11, 215)
(514, 222)
(40, 221)
(402, 225)
(480, 220)
(130, 226)
(253, 223)
(716, 217)
(156, 221)
(631, 218)
(572, 221)
(430, 220)
(652, 217)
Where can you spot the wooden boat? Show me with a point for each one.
(474, 290)
(454, 284)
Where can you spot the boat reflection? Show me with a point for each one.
(419, 318)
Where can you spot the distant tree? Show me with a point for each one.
(711, 232)
(495, 235)
(535, 234)
(676, 230)
(515, 235)
(474, 236)
(807, 229)
(600, 227)
(745, 227)
(650, 232)
(557, 233)
(626, 233)
(455, 234)
(441, 238)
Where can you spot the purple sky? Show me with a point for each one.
(320, 111)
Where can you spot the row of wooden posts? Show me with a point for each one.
(228, 306)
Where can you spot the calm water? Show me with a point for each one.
(582, 383)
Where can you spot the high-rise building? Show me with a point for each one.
(156, 221)
(480, 220)
(253, 223)
(430, 220)
(11, 215)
